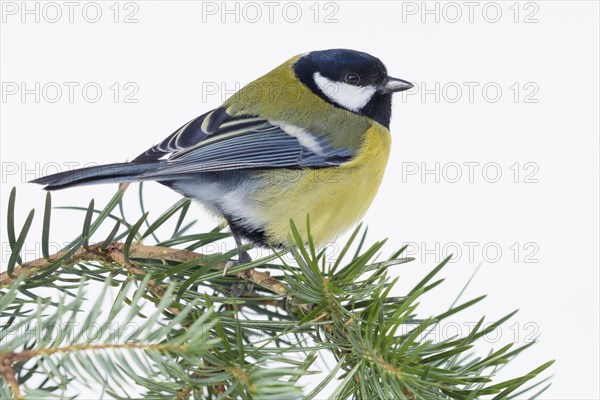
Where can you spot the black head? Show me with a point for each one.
(352, 80)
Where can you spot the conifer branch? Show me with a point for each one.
(194, 338)
(113, 253)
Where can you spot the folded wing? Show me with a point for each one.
(217, 141)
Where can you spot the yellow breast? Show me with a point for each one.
(334, 198)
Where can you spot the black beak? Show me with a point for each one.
(395, 85)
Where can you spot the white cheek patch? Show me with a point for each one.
(350, 97)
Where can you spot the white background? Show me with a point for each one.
(177, 53)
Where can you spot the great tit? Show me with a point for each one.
(310, 138)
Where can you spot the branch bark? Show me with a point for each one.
(8, 360)
(113, 253)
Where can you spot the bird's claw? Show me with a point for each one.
(238, 288)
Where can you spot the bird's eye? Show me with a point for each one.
(352, 78)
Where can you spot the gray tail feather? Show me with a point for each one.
(109, 173)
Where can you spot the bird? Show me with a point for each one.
(309, 139)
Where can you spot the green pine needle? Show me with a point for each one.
(173, 329)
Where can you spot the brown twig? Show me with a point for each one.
(8, 372)
(113, 253)
(184, 393)
(8, 360)
(264, 280)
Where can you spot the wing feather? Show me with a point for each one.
(217, 141)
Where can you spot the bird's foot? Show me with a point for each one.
(238, 288)
(244, 258)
